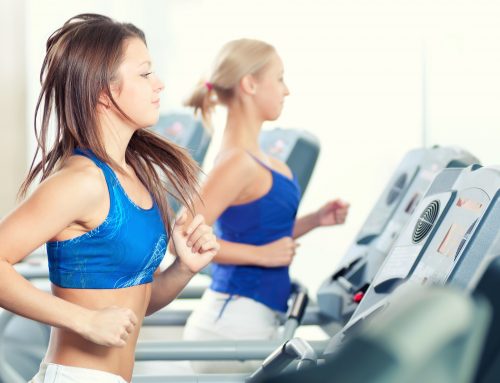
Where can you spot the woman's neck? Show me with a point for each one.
(116, 136)
(242, 130)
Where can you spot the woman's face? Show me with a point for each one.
(271, 89)
(137, 91)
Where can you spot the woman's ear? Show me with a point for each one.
(104, 100)
(105, 97)
(248, 84)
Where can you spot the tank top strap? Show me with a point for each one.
(109, 174)
(260, 162)
(273, 171)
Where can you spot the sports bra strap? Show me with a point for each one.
(259, 161)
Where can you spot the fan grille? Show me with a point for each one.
(426, 221)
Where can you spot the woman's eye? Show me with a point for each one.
(146, 75)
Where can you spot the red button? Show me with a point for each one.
(358, 296)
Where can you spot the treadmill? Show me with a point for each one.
(451, 239)
(340, 294)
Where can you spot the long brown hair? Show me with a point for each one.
(81, 61)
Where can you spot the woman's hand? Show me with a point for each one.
(332, 213)
(196, 246)
(110, 326)
(277, 253)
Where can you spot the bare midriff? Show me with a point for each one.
(70, 349)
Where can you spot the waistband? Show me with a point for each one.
(58, 373)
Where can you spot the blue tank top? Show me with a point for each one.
(123, 251)
(259, 222)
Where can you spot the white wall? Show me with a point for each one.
(370, 78)
(464, 78)
(12, 102)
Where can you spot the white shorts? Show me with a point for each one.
(56, 373)
(221, 316)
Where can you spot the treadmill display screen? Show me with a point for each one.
(451, 241)
(469, 204)
(454, 233)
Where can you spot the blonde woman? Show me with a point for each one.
(252, 199)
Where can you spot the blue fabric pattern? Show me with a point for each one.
(123, 251)
(259, 222)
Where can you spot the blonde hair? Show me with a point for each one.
(235, 60)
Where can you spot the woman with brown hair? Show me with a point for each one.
(101, 206)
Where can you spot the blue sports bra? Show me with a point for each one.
(259, 222)
(123, 251)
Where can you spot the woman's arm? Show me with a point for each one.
(274, 254)
(167, 285)
(195, 247)
(61, 200)
(332, 213)
(227, 183)
(170, 282)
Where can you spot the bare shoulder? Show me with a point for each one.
(78, 179)
(73, 194)
(237, 161)
(82, 166)
(233, 173)
(280, 166)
